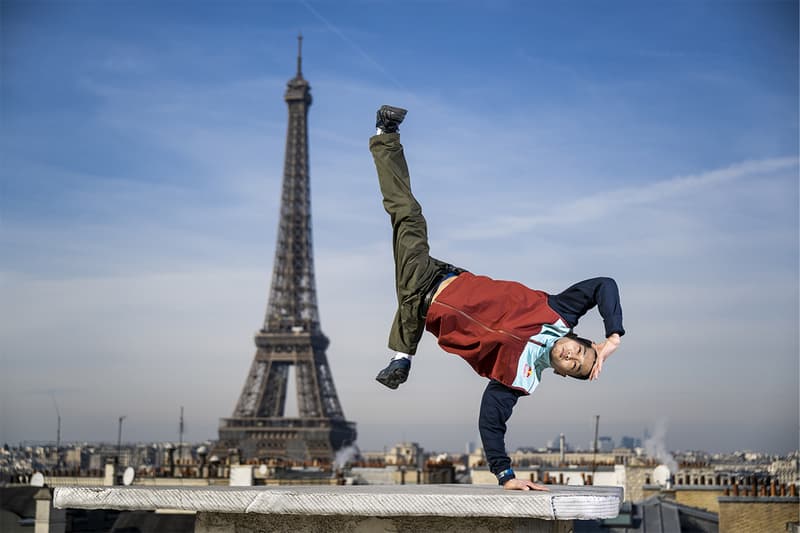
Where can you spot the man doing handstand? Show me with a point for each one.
(504, 330)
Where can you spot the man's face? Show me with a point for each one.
(572, 358)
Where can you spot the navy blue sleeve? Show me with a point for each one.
(497, 405)
(577, 300)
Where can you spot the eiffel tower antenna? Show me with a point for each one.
(300, 55)
(180, 436)
(291, 335)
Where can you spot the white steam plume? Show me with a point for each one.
(655, 447)
(345, 455)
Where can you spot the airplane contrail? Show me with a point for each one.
(349, 41)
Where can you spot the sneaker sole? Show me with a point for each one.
(393, 379)
(398, 114)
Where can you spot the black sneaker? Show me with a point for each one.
(394, 374)
(389, 118)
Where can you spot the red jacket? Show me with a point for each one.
(489, 322)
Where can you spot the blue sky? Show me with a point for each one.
(142, 157)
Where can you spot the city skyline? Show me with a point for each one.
(143, 151)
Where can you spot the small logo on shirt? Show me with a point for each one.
(527, 370)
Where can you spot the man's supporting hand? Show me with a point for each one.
(521, 484)
(604, 350)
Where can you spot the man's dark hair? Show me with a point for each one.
(588, 344)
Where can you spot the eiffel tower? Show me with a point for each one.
(291, 335)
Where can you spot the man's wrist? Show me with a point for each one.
(505, 475)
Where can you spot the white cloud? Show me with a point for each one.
(598, 206)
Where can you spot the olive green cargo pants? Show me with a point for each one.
(415, 270)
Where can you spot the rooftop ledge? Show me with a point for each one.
(465, 501)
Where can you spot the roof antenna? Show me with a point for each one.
(299, 55)
(58, 432)
(594, 453)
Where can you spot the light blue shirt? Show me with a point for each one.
(536, 355)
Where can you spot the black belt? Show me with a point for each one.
(428, 299)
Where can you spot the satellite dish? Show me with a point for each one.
(127, 477)
(661, 475)
(37, 480)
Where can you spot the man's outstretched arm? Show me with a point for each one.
(497, 405)
(578, 299)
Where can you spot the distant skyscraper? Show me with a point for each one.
(605, 444)
(630, 442)
(291, 336)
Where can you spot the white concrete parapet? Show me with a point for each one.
(560, 503)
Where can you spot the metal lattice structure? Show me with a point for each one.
(291, 336)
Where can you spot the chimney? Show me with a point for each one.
(171, 461)
(562, 446)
